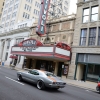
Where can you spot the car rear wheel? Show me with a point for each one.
(19, 78)
(56, 88)
(40, 85)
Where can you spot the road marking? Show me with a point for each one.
(88, 90)
(14, 80)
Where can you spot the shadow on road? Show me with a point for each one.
(46, 89)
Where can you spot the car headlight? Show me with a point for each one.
(54, 83)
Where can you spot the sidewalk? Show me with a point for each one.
(86, 85)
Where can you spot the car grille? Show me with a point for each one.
(60, 83)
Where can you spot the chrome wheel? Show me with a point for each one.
(19, 78)
(40, 85)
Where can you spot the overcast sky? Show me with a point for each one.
(73, 7)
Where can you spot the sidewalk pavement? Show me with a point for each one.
(86, 85)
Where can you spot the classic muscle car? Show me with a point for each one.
(41, 78)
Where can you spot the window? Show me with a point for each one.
(99, 37)
(66, 2)
(92, 36)
(86, 0)
(83, 37)
(34, 72)
(14, 14)
(8, 44)
(65, 8)
(85, 15)
(94, 13)
(19, 40)
(6, 56)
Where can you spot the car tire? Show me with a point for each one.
(56, 88)
(40, 85)
(19, 78)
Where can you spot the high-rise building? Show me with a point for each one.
(1, 7)
(59, 8)
(16, 11)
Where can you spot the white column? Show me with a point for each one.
(7, 62)
(0, 50)
(20, 64)
(4, 51)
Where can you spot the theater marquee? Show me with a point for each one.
(41, 28)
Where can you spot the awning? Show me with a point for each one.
(13, 57)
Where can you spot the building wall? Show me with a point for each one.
(60, 30)
(79, 25)
(1, 7)
(23, 10)
(13, 36)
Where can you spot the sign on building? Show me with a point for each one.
(41, 28)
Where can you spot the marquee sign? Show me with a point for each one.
(30, 43)
(41, 28)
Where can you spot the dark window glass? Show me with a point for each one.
(92, 36)
(6, 56)
(99, 37)
(83, 37)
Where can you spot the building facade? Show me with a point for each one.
(86, 42)
(16, 11)
(1, 7)
(52, 52)
(19, 33)
(60, 30)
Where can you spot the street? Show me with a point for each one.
(11, 89)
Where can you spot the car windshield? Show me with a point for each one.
(50, 74)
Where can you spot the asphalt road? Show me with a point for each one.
(11, 89)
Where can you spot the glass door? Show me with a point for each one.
(93, 72)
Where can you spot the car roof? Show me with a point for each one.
(42, 71)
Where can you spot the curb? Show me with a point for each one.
(82, 87)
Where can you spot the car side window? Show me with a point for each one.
(34, 72)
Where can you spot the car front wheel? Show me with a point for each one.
(19, 78)
(40, 85)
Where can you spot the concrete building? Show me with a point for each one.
(58, 8)
(85, 63)
(1, 7)
(20, 10)
(16, 11)
(13, 36)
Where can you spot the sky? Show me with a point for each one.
(73, 7)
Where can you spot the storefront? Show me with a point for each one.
(87, 67)
(51, 58)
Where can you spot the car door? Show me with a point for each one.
(32, 75)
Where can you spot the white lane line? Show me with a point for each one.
(14, 80)
(87, 90)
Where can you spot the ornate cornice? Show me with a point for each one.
(14, 31)
(82, 2)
